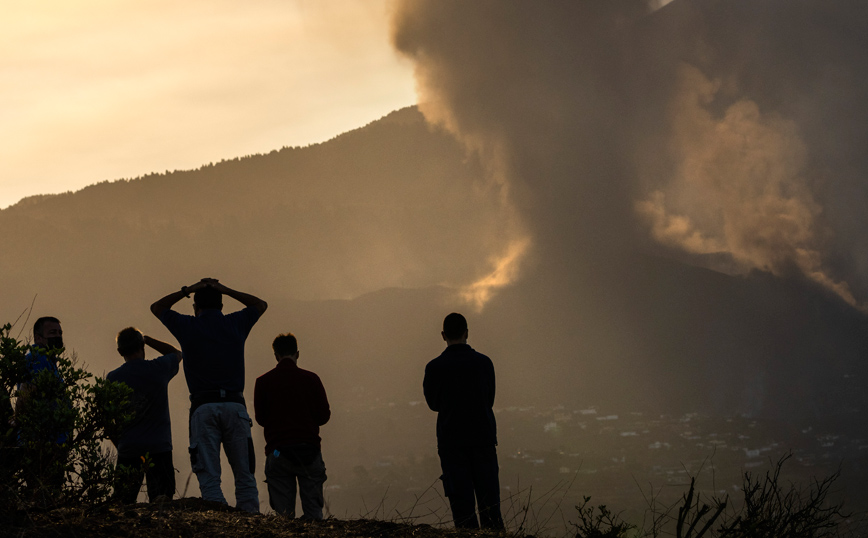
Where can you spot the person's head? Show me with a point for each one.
(47, 333)
(130, 343)
(454, 328)
(207, 298)
(285, 346)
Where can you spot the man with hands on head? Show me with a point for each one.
(213, 348)
(145, 447)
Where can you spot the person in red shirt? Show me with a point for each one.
(291, 404)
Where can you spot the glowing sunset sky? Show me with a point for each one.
(99, 90)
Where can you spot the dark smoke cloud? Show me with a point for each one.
(729, 131)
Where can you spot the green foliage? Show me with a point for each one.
(53, 440)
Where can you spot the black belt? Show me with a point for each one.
(203, 397)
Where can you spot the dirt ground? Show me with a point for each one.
(195, 518)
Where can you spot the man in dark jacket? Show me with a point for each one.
(291, 404)
(459, 385)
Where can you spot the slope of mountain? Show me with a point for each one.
(375, 207)
(398, 207)
(358, 243)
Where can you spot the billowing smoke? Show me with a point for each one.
(728, 132)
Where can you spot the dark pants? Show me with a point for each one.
(158, 470)
(470, 477)
(302, 464)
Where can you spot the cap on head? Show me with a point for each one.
(454, 326)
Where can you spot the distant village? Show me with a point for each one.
(553, 457)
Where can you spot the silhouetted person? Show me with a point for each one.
(145, 447)
(291, 404)
(213, 347)
(47, 345)
(46, 471)
(459, 385)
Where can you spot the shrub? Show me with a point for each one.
(72, 406)
(599, 522)
(770, 509)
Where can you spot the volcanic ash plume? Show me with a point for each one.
(739, 188)
(707, 126)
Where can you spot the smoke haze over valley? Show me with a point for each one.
(654, 209)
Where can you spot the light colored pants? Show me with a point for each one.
(228, 424)
(281, 473)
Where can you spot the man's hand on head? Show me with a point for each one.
(214, 283)
(198, 285)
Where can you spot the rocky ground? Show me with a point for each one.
(195, 518)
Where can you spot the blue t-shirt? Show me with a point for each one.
(151, 430)
(213, 347)
(37, 362)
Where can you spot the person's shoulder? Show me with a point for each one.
(115, 374)
(169, 360)
(171, 313)
(308, 374)
(484, 361)
(250, 313)
(174, 319)
(479, 355)
(439, 364)
(267, 375)
(35, 358)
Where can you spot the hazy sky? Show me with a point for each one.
(97, 90)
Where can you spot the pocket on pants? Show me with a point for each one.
(245, 417)
(195, 463)
(251, 454)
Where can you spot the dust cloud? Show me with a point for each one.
(727, 131)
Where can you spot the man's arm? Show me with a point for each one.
(169, 301)
(322, 412)
(244, 298)
(430, 389)
(260, 407)
(489, 367)
(163, 348)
